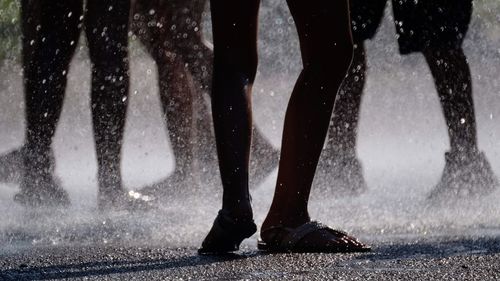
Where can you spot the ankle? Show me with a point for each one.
(288, 219)
(239, 210)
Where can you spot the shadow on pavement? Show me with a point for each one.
(434, 248)
(102, 268)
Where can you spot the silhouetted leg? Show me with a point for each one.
(234, 26)
(176, 92)
(198, 56)
(186, 43)
(326, 48)
(195, 50)
(178, 32)
(177, 88)
(263, 156)
(235, 65)
(344, 124)
(45, 68)
(339, 167)
(195, 59)
(106, 23)
(467, 172)
(454, 86)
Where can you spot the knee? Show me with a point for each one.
(109, 63)
(241, 63)
(107, 49)
(328, 61)
(343, 54)
(108, 55)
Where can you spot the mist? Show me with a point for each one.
(401, 143)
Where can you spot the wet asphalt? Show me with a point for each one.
(442, 258)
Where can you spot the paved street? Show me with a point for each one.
(444, 258)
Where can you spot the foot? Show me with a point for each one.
(342, 175)
(44, 192)
(310, 237)
(465, 175)
(226, 234)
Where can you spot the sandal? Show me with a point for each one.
(226, 235)
(291, 240)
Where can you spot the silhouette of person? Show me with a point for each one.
(51, 30)
(437, 30)
(326, 47)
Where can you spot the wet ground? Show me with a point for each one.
(439, 258)
(410, 240)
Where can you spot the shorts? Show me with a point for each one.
(420, 24)
(366, 16)
(435, 24)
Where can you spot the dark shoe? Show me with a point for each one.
(45, 192)
(342, 175)
(283, 239)
(465, 175)
(226, 235)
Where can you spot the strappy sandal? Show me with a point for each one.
(288, 240)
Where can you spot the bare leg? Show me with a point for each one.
(454, 86)
(467, 171)
(326, 47)
(344, 124)
(107, 32)
(47, 54)
(177, 32)
(187, 40)
(177, 88)
(199, 58)
(339, 167)
(235, 66)
(176, 92)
